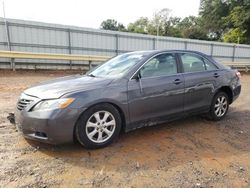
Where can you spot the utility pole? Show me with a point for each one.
(12, 61)
(6, 27)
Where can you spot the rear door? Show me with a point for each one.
(160, 90)
(201, 78)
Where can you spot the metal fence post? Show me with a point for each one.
(116, 44)
(7, 34)
(90, 66)
(12, 60)
(233, 57)
(69, 43)
(154, 43)
(212, 50)
(185, 45)
(13, 64)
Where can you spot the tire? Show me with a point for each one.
(219, 106)
(98, 126)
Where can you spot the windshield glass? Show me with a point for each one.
(118, 66)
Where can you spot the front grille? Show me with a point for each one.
(22, 103)
(25, 100)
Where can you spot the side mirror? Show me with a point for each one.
(137, 77)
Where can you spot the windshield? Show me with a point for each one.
(118, 66)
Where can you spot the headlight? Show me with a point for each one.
(53, 104)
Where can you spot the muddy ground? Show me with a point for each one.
(192, 152)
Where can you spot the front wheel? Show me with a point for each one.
(98, 126)
(219, 106)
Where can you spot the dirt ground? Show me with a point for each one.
(192, 152)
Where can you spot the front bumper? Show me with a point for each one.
(54, 127)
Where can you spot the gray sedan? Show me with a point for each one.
(127, 92)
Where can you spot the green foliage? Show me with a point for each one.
(234, 35)
(227, 20)
(171, 28)
(213, 14)
(192, 27)
(218, 20)
(139, 26)
(238, 23)
(112, 25)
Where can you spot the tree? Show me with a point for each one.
(238, 22)
(213, 14)
(171, 27)
(192, 27)
(227, 20)
(234, 36)
(157, 24)
(139, 26)
(161, 24)
(218, 20)
(113, 25)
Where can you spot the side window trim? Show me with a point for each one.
(205, 59)
(157, 72)
(196, 55)
(174, 55)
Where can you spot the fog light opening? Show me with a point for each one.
(40, 134)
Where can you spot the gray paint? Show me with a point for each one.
(143, 102)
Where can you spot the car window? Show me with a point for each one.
(161, 65)
(192, 63)
(209, 65)
(118, 66)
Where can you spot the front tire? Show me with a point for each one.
(219, 106)
(98, 126)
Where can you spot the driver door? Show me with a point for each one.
(157, 91)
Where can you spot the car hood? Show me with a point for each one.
(61, 86)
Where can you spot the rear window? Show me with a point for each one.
(194, 63)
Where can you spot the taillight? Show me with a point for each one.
(238, 74)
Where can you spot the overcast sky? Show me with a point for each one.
(91, 13)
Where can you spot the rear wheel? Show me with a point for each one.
(98, 126)
(219, 106)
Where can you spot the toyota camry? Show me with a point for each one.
(129, 91)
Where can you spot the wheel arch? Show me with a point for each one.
(228, 91)
(121, 112)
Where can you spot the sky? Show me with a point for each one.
(92, 12)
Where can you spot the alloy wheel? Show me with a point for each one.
(220, 106)
(100, 126)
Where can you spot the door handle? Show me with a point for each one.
(216, 75)
(177, 81)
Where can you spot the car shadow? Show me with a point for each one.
(162, 146)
